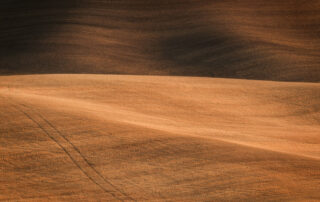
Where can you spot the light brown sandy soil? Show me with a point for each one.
(143, 138)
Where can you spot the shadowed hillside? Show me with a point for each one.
(256, 39)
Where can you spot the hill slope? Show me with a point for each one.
(257, 39)
(150, 138)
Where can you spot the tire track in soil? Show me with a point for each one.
(77, 150)
(73, 153)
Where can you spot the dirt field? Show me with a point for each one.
(228, 108)
(153, 138)
(252, 39)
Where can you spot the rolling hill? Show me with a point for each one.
(253, 39)
(152, 138)
(168, 100)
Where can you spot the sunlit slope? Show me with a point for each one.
(94, 137)
(257, 39)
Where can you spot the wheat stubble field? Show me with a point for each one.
(145, 100)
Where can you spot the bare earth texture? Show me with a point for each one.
(82, 137)
(255, 39)
(143, 138)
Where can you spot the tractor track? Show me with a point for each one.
(73, 153)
